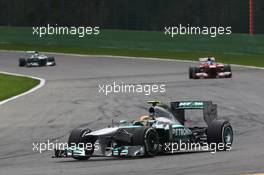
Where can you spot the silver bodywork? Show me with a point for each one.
(170, 127)
(34, 59)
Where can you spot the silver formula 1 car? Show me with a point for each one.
(35, 59)
(158, 132)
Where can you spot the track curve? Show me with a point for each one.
(70, 99)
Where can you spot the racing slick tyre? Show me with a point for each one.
(51, 59)
(21, 62)
(42, 62)
(191, 72)
(149, 138)
(227, 68)
(196, 70)
(76, 139)
(220, 135)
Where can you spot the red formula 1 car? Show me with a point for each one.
(209, 68)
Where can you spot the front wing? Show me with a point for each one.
(123, 151)
(219, 75)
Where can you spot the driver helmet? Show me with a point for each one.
(143, 120)
(209, 60)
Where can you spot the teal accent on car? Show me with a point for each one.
(191, 105)
(130, 126)
(177, 126)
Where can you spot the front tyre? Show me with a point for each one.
(151, 142)
(51, 60)
(77, 138)
(147, 137)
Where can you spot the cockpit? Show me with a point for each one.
(158, 114)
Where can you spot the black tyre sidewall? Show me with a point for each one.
(191, 72)
(196, 70)
(21, 62)
(76, 138)
(215, 132)
(147, 136)
(227, 68)
(141, 136)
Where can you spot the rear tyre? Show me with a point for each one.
(220, 132)
(76, 139)
(147, 137)
(21, 62)
(42, 62)
(196, 70)
(191, 70)
(227, 68)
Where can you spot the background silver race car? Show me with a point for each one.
(34, 59)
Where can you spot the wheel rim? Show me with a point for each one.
(228, 135)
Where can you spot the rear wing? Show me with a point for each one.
(209, 109)
(31, 52)
(206, 58)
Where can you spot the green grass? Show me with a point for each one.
(11, 85)
(236, 48)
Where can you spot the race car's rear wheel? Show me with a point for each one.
(42, 62)
(227, 68)
(21, 62)
(191, 72)
(147, 137)
(77, 139)
(220, 132)
(196, 70)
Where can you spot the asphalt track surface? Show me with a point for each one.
(70, 99)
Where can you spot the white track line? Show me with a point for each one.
(41, 84)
